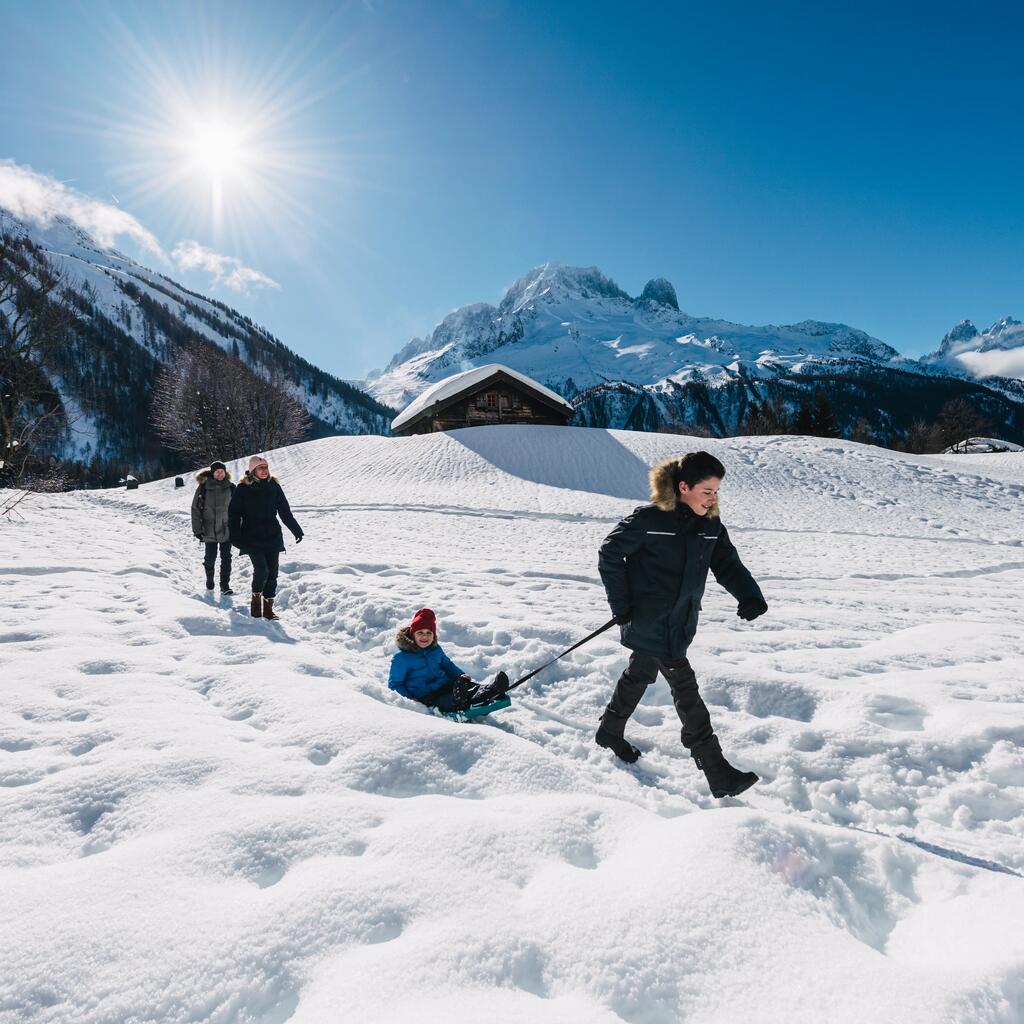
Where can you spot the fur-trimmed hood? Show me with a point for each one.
(664, 492)
(205, 475)
(249, 478)
(405, 641)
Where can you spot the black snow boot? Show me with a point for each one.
(618, 745)
(209, 579)
(723, 779)
(225, 585)
(462, 695)
(484, 693)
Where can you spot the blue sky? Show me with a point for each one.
(777, 162)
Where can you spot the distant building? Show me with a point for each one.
(481, 396)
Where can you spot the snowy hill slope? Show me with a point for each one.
(642, 364)
(131, 321)
(214, 818)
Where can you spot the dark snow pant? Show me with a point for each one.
(264, 572)
(641, 671)
(210, 560)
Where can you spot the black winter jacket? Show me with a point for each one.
(654, 566)
(253, 513)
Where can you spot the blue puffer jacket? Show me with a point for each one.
(417, 672)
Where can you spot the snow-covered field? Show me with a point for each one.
(207, 817)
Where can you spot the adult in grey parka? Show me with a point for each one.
(210, 521)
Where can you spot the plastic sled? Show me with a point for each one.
(478, 710)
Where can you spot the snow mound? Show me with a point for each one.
(214, 818)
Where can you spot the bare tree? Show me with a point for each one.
(921, 439)
(208, 404)
(862, 431)
(959, 420)
(36, 319)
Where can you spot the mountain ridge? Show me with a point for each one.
(642, 362)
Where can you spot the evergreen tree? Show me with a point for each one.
(823, 417)
(803, 423)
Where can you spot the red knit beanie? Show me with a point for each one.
(423, 619)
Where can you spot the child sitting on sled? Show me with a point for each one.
(420, 670)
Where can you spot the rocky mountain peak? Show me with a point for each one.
(659, 291)
(1005, 324)
(555, 282)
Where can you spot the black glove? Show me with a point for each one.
(198, 537)
(751, 607)
(298, 539)
(623, 617)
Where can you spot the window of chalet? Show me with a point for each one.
(492, 400)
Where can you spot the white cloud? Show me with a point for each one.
(40, 198)
(995, 363)
(37, 197)
(226, 270)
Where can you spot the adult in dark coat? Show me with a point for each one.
(654, 567)
(210, 521)
(255, 506)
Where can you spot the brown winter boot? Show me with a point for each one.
(256, 606)
(268, 609)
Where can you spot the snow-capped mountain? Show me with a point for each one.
(130, 322)
(996, 352)
(645, 364)
(574, 329)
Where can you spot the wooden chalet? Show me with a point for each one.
(482, 396)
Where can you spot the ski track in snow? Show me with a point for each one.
(209, 817)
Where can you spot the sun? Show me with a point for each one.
(217, 153)
(217, 150)
(226, 145)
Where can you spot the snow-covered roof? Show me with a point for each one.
(458, 382)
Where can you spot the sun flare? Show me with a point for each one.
(226, 147)
(217, 150)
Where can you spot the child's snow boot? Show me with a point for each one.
(256, 606)
(225, 585)
(618, 745)
(723, 779)
(462, 695)
(268, 609)
(484, 693)
(209, 579)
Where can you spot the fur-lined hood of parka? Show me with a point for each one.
(204, 474)
(249, 478)
(406, 642)
(664, 492)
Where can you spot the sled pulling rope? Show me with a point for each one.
(495, 696)
(557, 657)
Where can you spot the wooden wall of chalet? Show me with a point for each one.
(496, 403)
